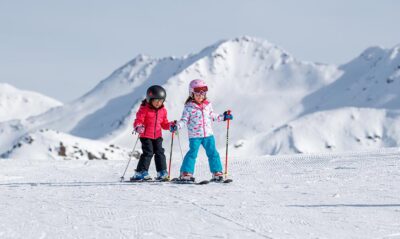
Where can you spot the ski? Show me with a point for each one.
(228, 180)
(147, 181)
(203, 182)
(222, 181)
(179, 181)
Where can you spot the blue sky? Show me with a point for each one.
(64, 48)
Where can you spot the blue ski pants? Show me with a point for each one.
(208, 143)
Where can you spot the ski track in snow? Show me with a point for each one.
(347, 195)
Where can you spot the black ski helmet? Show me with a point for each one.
(155, 92)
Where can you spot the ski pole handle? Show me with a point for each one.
(229, 112)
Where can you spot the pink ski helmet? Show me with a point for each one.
(197, 86)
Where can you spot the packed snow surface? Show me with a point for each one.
(347, 195)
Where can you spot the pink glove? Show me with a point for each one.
(139, 129)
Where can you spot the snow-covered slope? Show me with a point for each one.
(48, 144)
(258, 81)
(344, 129)
(329, 122)
(267, 89)
(370, 80)
(10, 132)
(20, 104)
(352, 195)
(104, 108)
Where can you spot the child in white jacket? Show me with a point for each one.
(198, 115)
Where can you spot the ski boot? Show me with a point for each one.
(217, 177)
(162, 175)
(186, 177)
(141, 176)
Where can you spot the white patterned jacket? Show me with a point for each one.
(198, 119)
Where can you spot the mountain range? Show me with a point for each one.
(281, 105)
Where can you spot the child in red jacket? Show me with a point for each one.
(150, 119)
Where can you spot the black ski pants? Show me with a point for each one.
(152, 147)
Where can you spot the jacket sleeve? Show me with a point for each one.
(214, 116)
(140, 115)
(165, 123)
(185, 117)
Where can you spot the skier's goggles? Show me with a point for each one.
(201, 93)
(202, 89)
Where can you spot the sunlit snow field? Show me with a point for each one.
(347, 195)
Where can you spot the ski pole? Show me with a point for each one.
(227, 141)
(170, 156)
(180, 145)
(130, 154)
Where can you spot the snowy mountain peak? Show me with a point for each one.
(372, 53)
(45, 144)
(5, 86)
(262, 84)
(370, 80)
(245, 45)
(395, 52)
(126, 73)
(376, 55)
(246, 67)
(21, 104)
(247, 40)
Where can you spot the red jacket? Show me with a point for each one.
(152, 119)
